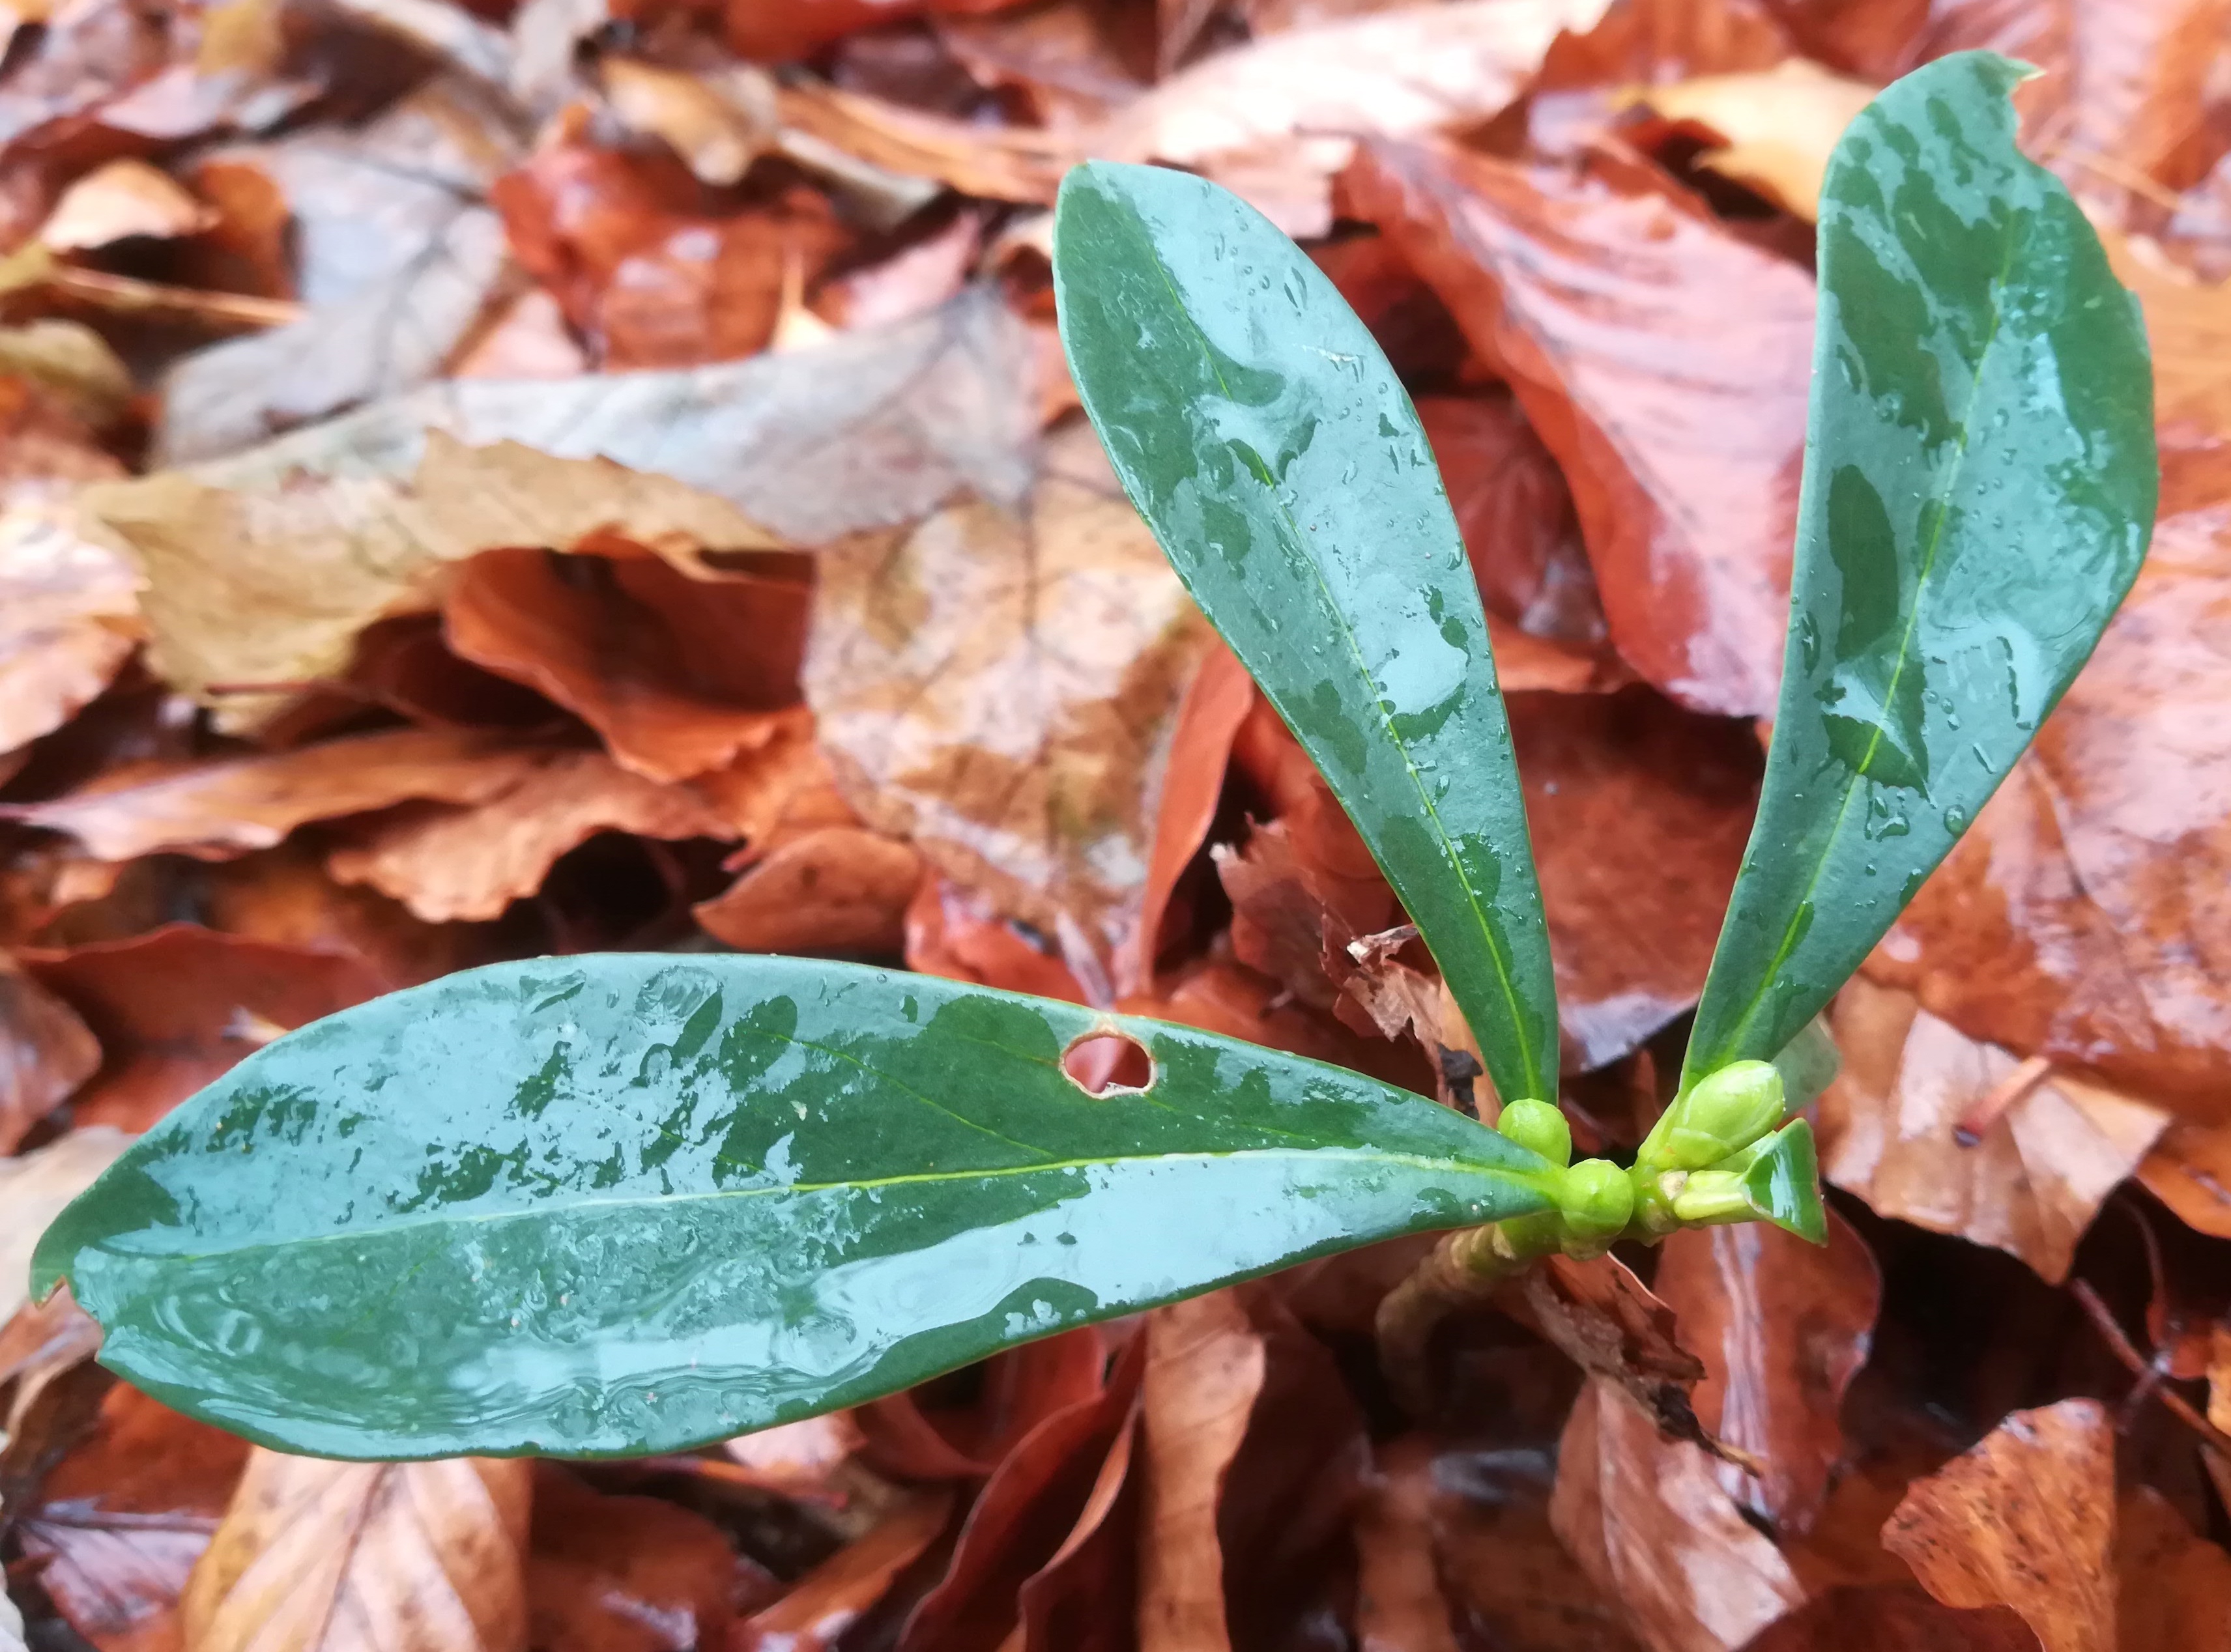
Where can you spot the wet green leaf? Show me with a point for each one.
(1978, 492)
(1263, 436)
(630, 1204)
(1783, 1183)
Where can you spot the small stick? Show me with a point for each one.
(2142, 1368)
(1996, 1102)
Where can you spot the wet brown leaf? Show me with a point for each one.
(1868, 1618)
(1399, 1606)
(69, 618)
(2173, 1588)
(838, 890)
(1650, 1526)
(2189, 1170)
(446, 863)
(2044, 1157)
(347, 1557)
(1782, 1327)
(1218, 702)
(1003, 690)
(46, 1052)
(622, 1574)
(2026, 1519)
(824, 1603)
(1614, 1327)
(1663, 361)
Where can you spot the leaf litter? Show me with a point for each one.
(476, 483)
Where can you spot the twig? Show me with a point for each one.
(2144, 1370)
(1996, 1102)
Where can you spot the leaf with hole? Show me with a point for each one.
(1978, 492)
(1262, 434)
(632, 1204)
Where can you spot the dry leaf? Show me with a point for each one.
(717, 124)
(1775, 126)
(2025, 1519)
(2173, 1588)
(2042, 1162)
(68, 620)
(623, 1574)
(1399, 1606)
(829, 1599)
(1664, 361)
(837, 890)
(124, 198)
(213, 810)
(33, 1189)
(46, 1052)
(2189, 1170)
(798, 1458)
(993, 162)
(1002, 689)
(1875, 1617)
(72, 362)
(1649, 1524)
(447, 863)
(364, 1556)
(1613, 1326)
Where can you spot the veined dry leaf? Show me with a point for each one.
(1651, 1527)
(2041, 1164)
(1277, 120)
(782, 788)
(2026, 1519)
(350, 1557)
(2173, 1588)
(1613, 1326)
(1782, 1327)
(263, 567)
(1775, 126)
(69, 618)
(217, 810)
(838, 890)
(1001, 689)
(622, 1574)
(46, 1052)
(33, 1189)
(446, 863)
(1664, 361)
(820, 1606)
(1205, 1366)
(123, 199)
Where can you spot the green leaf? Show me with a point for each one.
(1263, 436)
(1978, 492)
(628, 1204)
(1783, 1183)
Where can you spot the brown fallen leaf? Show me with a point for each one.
(913, 1439)
(1775, 126)
(678, 674)
(70, 361)
(1205, 1366)
(716, 124)
(123, 199)
(1859, 1618)
(820, 1606)
(215, 810)
(177, 1006)
(1650, 1527)
(118, 1523)
(36, 1186)
(622, 1574)
(446, 863)
(2042, 1161)
(991, 163)
(1614, 1327)
(46, 1052)
(1665, 362)
(69, 618)
(1276, 121)
(838, 890)
(798, 1459)
(2174, 1589)
(1782, 1327)
(344, 1557)
(2189, 1169)
(1003, 689)
(2026, 1519)
(1399, 1606)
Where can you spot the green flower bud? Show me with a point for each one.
(1538, 1126)
(1723, 1114)
(1712, 1195)
(1596, 1200)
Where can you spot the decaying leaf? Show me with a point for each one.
(2026, 1520)
(346, 1557)
(837, 890)
(2174, 1589)
(623, 1574)
(70, 617)
(829, 1599)
(46, 1052)
(2045, 1154)
(2189, 1170)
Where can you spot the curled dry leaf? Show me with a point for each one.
(1664, 361)
(350, 1557)
(820, 1606)
(69, 618)
(1277, 119)
(2026, 1519)
(1002, 689)
(840, 890)
(1613, 1326)
(913, 1439)
(717, 124)
(2046, 1153)
(178, 1005)
(1652, 1528)
(446, 863)
(46, 1052)
(622, 1574)
(1782, 1327)
(1775, 126)
(214, 810)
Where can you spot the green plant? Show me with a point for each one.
(630, 1203)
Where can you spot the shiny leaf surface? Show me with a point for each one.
(631, 1204)
(1979, 487)
(1262, 434)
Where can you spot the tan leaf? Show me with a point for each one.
(1277, 120)
(718, 124)
(1775, 126)
(2025, 1519)
(471, 862)
(836, 890)
(992, 162)
(1002, 688)
(2040, 1165)
(364, 1556)
(1649, 1524)
(33, 1189)
(69, 618)
(1399, 1606)
(124, 197)
(2173, 1588)
(213, 810)
(2189, 1170)
(1205, 1367)
(46, 1052)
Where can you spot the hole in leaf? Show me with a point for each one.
(1099, 1062)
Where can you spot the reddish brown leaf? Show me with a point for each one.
(123, 1517)
(770, 793)
(471, 862)
(1782, 1327)
(1399, 1604)
(623, 1574)
(2045, 1154)
(286, 896)
(798, 1459)
(837, 890)
(1081, 1600)
(175, 1007)
(69, 618)
(1873, 1619)
(2189, 1170)
(824, 1603)
(2026, 1519)
(1645, 1520)
(1663, 361)
(2174, 1589)
(1613, 1326)
(46, 1052)
(1019, 1391)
